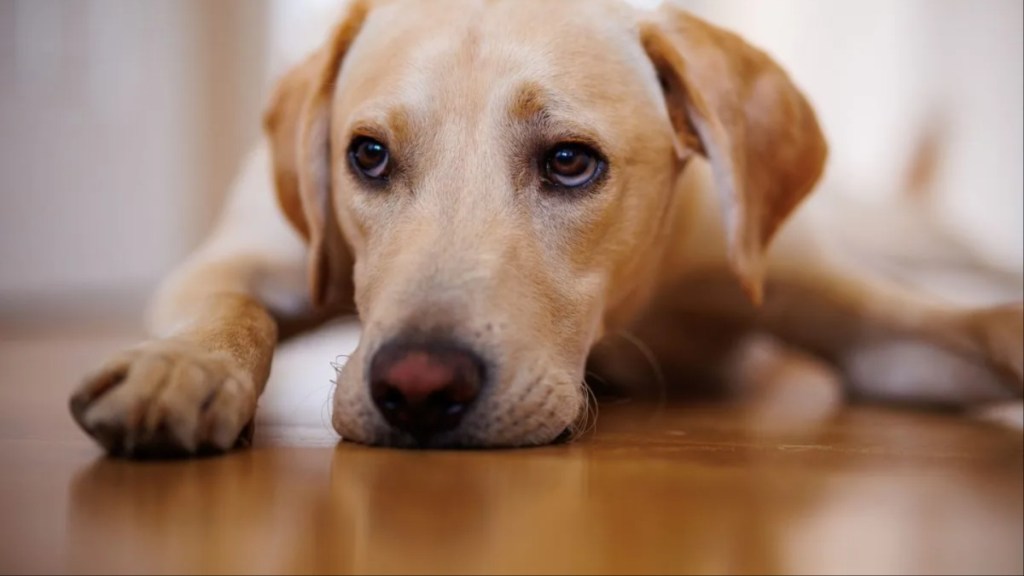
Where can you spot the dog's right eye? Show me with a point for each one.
(370, 158)
(571, 165)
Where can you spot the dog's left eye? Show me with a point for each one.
(572, 165)
(370, 157)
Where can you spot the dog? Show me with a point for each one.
(510, 194)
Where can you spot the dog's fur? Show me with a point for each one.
(710, 148)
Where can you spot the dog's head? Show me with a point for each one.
(495, 181)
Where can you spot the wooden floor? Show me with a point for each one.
(656, 489)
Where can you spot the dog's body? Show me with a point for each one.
(425, 169)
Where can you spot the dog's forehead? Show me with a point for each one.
(585, 49)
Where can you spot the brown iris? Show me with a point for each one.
(370, 158)
(571, 165)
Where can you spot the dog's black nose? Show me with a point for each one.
(425, 389)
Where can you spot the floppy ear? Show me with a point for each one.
(731, 103)
(297, 125)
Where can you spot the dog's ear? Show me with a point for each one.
(731, 103)
(297, 125)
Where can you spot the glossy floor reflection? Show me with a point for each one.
(669, 489)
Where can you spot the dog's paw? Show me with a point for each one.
(167, 398)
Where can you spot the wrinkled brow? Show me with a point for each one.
(531, 102)
(393, 124)
(551, 115)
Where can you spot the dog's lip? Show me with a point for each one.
(447, 442)
(565, 437)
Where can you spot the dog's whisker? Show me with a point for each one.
(326, 406)
(652, 361)
(586, 421)
(593, 409)
(592, 403)
(338, 365)
(595, 376)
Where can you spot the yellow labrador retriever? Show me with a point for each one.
(499, 189)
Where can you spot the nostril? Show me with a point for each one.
(444, 402)
(391, 399)
(564, 437)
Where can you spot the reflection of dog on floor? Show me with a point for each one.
(719, 499)
(503, 190)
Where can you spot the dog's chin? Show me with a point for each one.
(457, 441)
(514, 426)
(386, 437)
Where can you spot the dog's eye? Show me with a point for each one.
(370, 158)
(571, 165)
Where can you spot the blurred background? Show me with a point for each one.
(122, 124)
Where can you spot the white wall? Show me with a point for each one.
(94, 160)
(121, 124)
